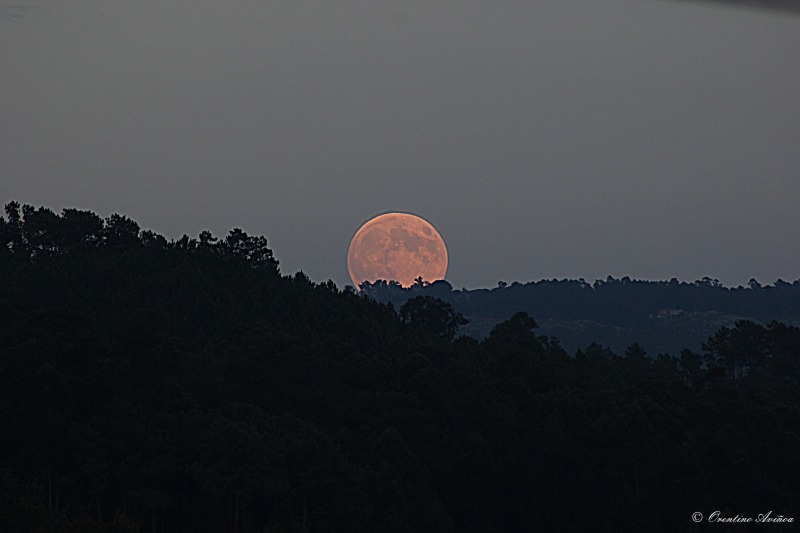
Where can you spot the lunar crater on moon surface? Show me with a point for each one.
(397, 247)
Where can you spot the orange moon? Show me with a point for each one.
(397, 247)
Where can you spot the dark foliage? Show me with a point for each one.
(154, 385)
(433, 316)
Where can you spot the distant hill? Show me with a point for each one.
(614, 312)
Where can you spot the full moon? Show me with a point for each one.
(397, 247)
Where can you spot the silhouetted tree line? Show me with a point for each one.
(154, 385)
(618, 302)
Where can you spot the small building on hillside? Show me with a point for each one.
(669, 313)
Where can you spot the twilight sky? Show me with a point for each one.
(549, 138)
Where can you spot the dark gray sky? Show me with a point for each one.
(543, 139)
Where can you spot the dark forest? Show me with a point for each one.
(154, 386)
